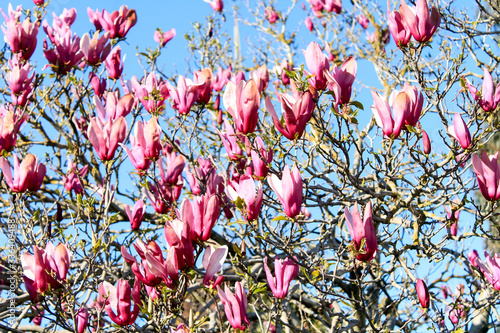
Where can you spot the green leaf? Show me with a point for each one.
(357, 104)
(279, 218)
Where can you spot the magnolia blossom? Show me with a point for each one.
(401, 106)
(9, 127)
(317, 63)
(251, 196)
(72, 178)
(66, 52)
(460, 131)
(27, 176)
(296, 112)
(421, 22)
(362, 228)
(213, 260)
(397, 25)
(488, 175)
(285, 271)
(489, 96)
(184, 95)
(152, 94)
(235, 306)
(114, 64)
(119, 299)
(217, 5)
(341, 80)
(117, 24)
(423, 294)
(288, 190)
(136, 215)
(20, 36)
(201, 214)
(163, 38)
(242, 101)
(45, 267)
(19, 81)
(96, 49)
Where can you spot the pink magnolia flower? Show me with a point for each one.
(363, 21)
(40, 3)
(426, 142)
(285, 270)
(282, 72)
(153, 269)
(489, 97)
(66, 52)
(117, 24)
(27, 176)
(185, 95)
(382, 112)
(105, 138)
(492, 271)
(72, 178)
(309, 24)
(203, 79)
(261, 78)
(333, 5)
(317, 5)
(221, 78)
(82, 319)
(473, 258)
(46, 267)
(19, 81)
(398, 27)
(423, 294)
(9, 127)
(261, 158)
(163, 38)
(201, 214)
(457, 312)
(136, 215)
(175, 165)
(242, 101)
(246, 190)
(114, 64)
(240, 76)
(317, 63)
(115, 108)
(341, 80)
(177, 234)
(216, 5)
(235, 306)
(488, 175)
(213, 260)
(230, 141)
(421, 22)
(460, 131)
(416, 104)
(288, 190)
(362, 229)
(146, 145)
(271, 15)
(99, 86)
(95, 50)
(152, 94)
(203, 177)
(119, 299)
(296, 114)
(20, 36)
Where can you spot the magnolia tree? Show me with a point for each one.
(279, 190)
